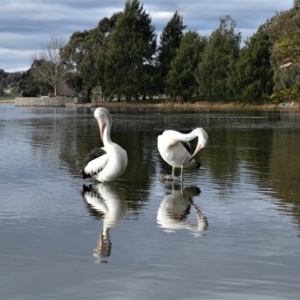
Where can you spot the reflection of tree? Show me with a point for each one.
(222, 157)
(256, 147)
(285, 169)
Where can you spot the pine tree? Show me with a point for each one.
(251, 75)
(169, 43)
(132, 45)
(181, 80)
(222, 47)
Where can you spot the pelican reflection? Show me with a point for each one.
(175, 208)
(107, 202)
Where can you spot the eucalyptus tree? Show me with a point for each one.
(51, 68)
(79, 55)
(222, 47)
(169, 43)
(85, 53)
(181, 80)
(251, 75)
(3, 74)
(3, 77)
(131, 47)
(284, 31)
(30, 86)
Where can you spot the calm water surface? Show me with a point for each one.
(230, 232)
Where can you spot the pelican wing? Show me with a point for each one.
(95, 161)
(187, 146)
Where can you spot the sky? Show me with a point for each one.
(26, 24)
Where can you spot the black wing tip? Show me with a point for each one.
(198, 165)
(83, 174)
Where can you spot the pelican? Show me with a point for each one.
(174, 209)
(109, 162)
(175, 149)
(107, 202)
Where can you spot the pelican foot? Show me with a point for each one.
(166, 177)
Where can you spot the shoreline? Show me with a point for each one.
(199, 105)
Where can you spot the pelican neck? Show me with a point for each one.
(106, 135)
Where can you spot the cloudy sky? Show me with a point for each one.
(26, 24)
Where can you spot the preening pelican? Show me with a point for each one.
(175, 149)
(107, 202)
(175, 208)
(109, 162)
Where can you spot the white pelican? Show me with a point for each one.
(174, 209)
(175, 149)
(108, 202)
(109, 162)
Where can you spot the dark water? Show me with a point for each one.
(236, 239)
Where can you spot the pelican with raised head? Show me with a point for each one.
(109, 162)
(175, 149)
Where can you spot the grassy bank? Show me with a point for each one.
(161, 104)
(7, 98)
(196, 105)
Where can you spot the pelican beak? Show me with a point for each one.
(198, 148)
(102, 124)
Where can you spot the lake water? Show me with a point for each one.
(230, 232)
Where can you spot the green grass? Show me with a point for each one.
(7, 98)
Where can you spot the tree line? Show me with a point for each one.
(120, 58)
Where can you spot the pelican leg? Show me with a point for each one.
(174, 177)
(171, 177)
(181, 174)
(173, 171)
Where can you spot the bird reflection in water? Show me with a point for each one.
(175, 208)
(107, 202)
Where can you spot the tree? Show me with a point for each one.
(51, 68)
(85, 53)
(3, 80)
(79, 55)
(284, 31)
(251, 75)
(150, 81)
(104, 30)
(181, 80)
(222, 47)
(30, 86)
(131, 46)
(169, 43)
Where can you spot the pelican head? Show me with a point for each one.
(104, 119)
(202, 140)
